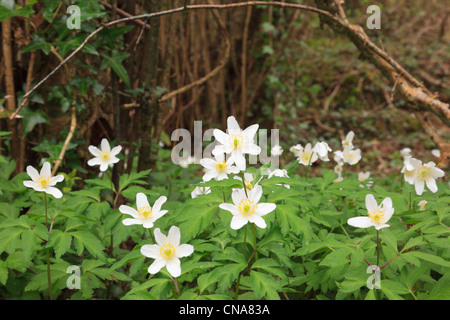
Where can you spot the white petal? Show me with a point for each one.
(220, 136)
(386, 204)
(54, 180)
(105, 145)
(156, 266)
(95, 151)
(419, 186)
(103, 166)
(129, 210)
(129, 221)
(174, 236)
(33, 185)
(431, 184)
(253, 149)
(115, 151)
(159, 237)
(54, 192)
(250, 132)
(232, 124)
(94, 162)
(260, 222)
(209, 175)
(141, 201)
(184, 250)
(238, 221)
(208, 163)
(151, 251)
(437, 173)
(229, 207)
(158, 203)
(46, 170)
(174, 268)
(360, 222)
(371, 203)
(255, 194)
(265, 208)
(33, 173)
(237, 195)
(378, 227)
(239, 159)
(148, 224)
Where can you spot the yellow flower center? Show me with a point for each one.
(409, 173)
(43, 181)
(167, 251)
(247, 207)
(306, 156)
(248, 184)
(221, 166)
(105, 156)
(236, 140)
(376, 216)
(423, 173)
(145, 212)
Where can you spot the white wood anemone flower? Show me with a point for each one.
(104, 157)
(307, 156)
(217, 168)
(167, 252)
(245, 210)
(378, 215)
(296, 150)
(426, 174)
(145, 214)
(408, 169)
(198, 191)
(322, 149)
(348, 141)
(43, 181)
(248, 181)
(282, 173)
(351, 156)
(236, 142)
(276, 150)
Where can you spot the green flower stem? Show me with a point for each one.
(308, 166)
(378, 247)
(254, 241)
(177, 286)
(49, 278)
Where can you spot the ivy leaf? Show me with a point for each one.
(115, 62)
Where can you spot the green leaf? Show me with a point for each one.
(289, 220)
(38, 43)
(115, 62)
(393, 289)
(441, 290)
(430, 258)
(60, 241)
(90, 242)
(265, 285)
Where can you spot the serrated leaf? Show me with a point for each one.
(264, 285)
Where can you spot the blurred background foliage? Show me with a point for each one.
(284, 69)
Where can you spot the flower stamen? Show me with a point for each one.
(376, 216)
(236, 141)
(221, 166)
(167, 251)
(43, 181)
(105, 156)
(145, 212)
(247, 207)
